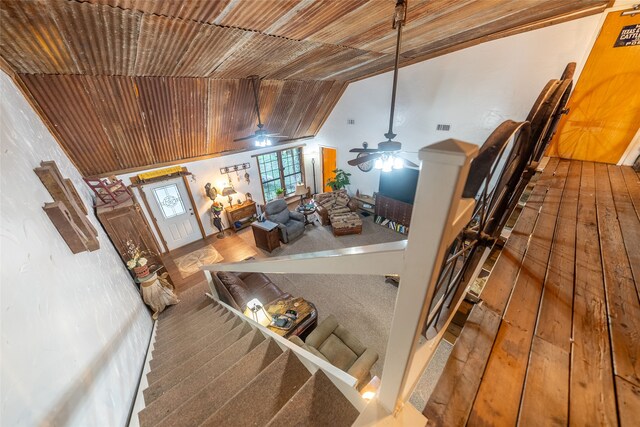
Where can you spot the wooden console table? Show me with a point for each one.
(245, 214)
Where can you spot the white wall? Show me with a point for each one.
(74, 328)
(473, 90)
(208, 171)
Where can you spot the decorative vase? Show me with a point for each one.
(141, 271)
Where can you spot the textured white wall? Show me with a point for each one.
(473, 90)
(74, 328)
(208, 170)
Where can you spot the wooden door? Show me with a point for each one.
(171, 207)
(328, 166)
(604, 110)
(126, 222)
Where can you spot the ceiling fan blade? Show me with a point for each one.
(363, 150)
(276, 135)
(408, 162)
(364, 159)
(245, 138)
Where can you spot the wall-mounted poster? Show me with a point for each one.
(629, 36)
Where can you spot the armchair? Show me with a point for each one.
(333, 343)
(290, 224)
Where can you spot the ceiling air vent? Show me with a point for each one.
(443, 127)
(351, 121)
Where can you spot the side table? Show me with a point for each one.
(307, 210)
(266, 235)
(304, 324)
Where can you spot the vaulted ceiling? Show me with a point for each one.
(127, 84)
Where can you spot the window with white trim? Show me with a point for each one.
(280, 169)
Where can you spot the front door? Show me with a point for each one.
(171, 207)
(328, 166)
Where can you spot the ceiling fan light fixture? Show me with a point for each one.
(398, 163)
(378, 164)
(387, 164)
(263, 142)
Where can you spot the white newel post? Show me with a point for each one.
(444, 169)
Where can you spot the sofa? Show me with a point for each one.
(290, 224)
(334, 344)
(333, 203)
(236, 289)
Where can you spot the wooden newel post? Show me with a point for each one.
(440, 209)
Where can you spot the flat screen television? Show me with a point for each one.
(399, 184)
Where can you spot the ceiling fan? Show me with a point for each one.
(262, 136)
(384, 157)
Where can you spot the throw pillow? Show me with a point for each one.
(342, 199)
(236, 287)
(327, 202)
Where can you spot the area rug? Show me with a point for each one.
(190, 263)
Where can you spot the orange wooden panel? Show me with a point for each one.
(605, 107)
(328, 166)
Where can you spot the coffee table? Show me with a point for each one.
(303, 325)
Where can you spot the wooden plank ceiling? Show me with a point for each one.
(127, 84)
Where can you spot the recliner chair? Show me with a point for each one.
(291, 224)
(333, 343)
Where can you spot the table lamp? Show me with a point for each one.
(301, 190)
(228, 191)
(255, 310)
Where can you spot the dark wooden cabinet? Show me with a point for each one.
(266, 235)
(393, 210)
(124, 222)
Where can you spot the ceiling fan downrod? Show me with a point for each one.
(399, 19)
(255, 98)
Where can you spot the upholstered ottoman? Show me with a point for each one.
(346, 223)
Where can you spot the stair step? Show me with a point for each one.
(192, 342)
(171, 331)
(318, 403)
(161, 382)
(189, 303)
(193, 380)
(194, 325)
(263, 397)
(202, 327)
(216, 393)
(217, 342)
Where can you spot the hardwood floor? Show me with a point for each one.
(232, 247)
(555, 339)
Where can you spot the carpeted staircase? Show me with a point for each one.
(212, 367)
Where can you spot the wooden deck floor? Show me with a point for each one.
(556, 338)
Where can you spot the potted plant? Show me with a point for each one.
(137, 262)
(340, 180)
(280, 193)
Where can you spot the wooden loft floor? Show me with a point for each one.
(556, 338)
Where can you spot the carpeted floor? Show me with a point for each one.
(362, 304)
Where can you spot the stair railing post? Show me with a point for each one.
(443, 172)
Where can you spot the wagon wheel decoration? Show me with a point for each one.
(497, 178)
(493, 176)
